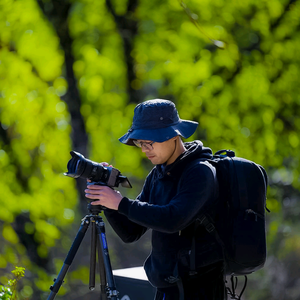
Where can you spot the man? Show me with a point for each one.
(181, 185)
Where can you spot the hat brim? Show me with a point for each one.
(183, 128)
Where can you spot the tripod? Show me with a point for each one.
(107, 285)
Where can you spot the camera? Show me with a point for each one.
(79, 166)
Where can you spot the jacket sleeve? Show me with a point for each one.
(128, 230)
(196, 187)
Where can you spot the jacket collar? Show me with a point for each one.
(194, 150)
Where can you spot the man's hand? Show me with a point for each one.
(103, 195)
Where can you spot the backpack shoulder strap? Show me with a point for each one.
(204, 220)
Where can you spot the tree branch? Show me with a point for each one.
(128, 28)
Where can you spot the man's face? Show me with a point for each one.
(159, 153)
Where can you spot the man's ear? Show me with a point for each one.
(177, 137)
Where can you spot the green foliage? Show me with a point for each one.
(245, 97)
(9, 292)
(5, 293)
(34, 134)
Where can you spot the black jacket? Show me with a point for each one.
(169, 203)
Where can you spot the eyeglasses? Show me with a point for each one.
(147, 145)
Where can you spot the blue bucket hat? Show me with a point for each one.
(158, 121)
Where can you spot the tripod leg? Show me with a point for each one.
(95, 244)
(93, 256)
(68, 261)
(112, 293)
(103, 282)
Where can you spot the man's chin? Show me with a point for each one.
(153, 160)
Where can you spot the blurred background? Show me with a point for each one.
(71, 73)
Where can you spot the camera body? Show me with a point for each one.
(80, 167)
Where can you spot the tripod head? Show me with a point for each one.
(95, 209)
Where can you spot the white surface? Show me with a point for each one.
(135, 273)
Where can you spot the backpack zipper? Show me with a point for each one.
(252, 212)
